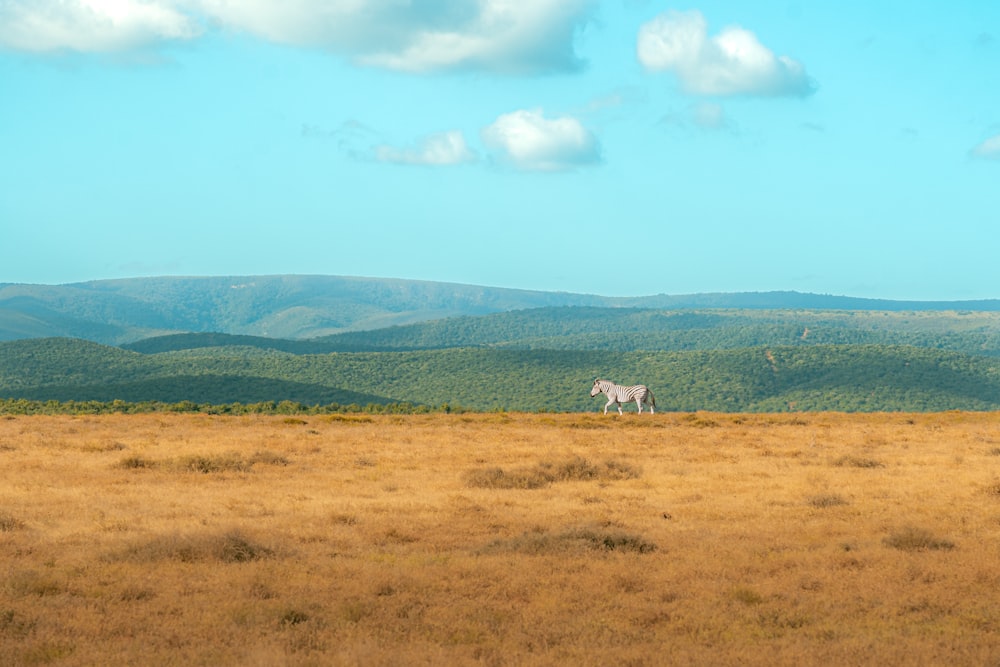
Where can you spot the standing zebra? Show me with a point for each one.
(618, 394)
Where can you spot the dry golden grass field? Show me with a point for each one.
(500, 539)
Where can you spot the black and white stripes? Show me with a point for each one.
(618, 394)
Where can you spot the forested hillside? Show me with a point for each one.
(819, 377)
(300, 307)
(625, 329)
(505, 357)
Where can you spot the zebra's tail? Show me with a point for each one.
(652, 400)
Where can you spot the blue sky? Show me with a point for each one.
(618, 147)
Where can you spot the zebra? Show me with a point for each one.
(618, 394)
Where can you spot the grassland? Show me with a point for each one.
(498, 539)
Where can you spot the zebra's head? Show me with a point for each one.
(596, 388)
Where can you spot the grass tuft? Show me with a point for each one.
(912, 538)
(135, 463)
(230, 462)
(857, 462)
(827, 500)
(746, 596)
(592, 538)
(9, 523)
(229, 547)
(574, 469)
(293, 617)
(267, 458)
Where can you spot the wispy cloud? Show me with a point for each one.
(529, 141)
(733, 62)
(988, 149)
(438, 150)
(506, 36)
(707, 116)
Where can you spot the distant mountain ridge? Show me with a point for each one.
(305, 307)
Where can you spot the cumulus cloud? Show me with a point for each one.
(443, 149)
(91, 26)
(509, 36)
(529, 141)
(988, 149)
(733, 62)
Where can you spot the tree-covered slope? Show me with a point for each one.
(126, 310)
(625, 329)
(820, 377)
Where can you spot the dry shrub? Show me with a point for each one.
(135, 463)
(9, 522)
(13, 625)
(827, 500)
(857, 462)
(350, 419)
(498, 478)
(746, 596)
(573, 469)
(267, 458)
(292, 617)
(700, 421)
(230, 462)
(32, 582)
(133, 593)
(229, 547)
(593, 538)
(911, 538)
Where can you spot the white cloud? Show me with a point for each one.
(988, 149)
(509, 36)
(529, 141)
(732, 62)
(443, 149)
(91, 26)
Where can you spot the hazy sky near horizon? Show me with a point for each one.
(617, 147)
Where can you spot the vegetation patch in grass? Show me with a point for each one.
(746, 596)
(827, 500)
(292, 617)
(912, 538)
(14, 625)
(135, 463)
(32, 582)
(229, 547)
(594, 538)
(349, 419)
(9, 522)
(230, 462)
(267, 458)
(857, 462)
(573, 469)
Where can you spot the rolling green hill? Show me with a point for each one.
(632, 329)
(818, 377)
(392, 342)
(300, 307)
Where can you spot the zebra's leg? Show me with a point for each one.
(638, 403)
(607, 405)
(620, 409)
